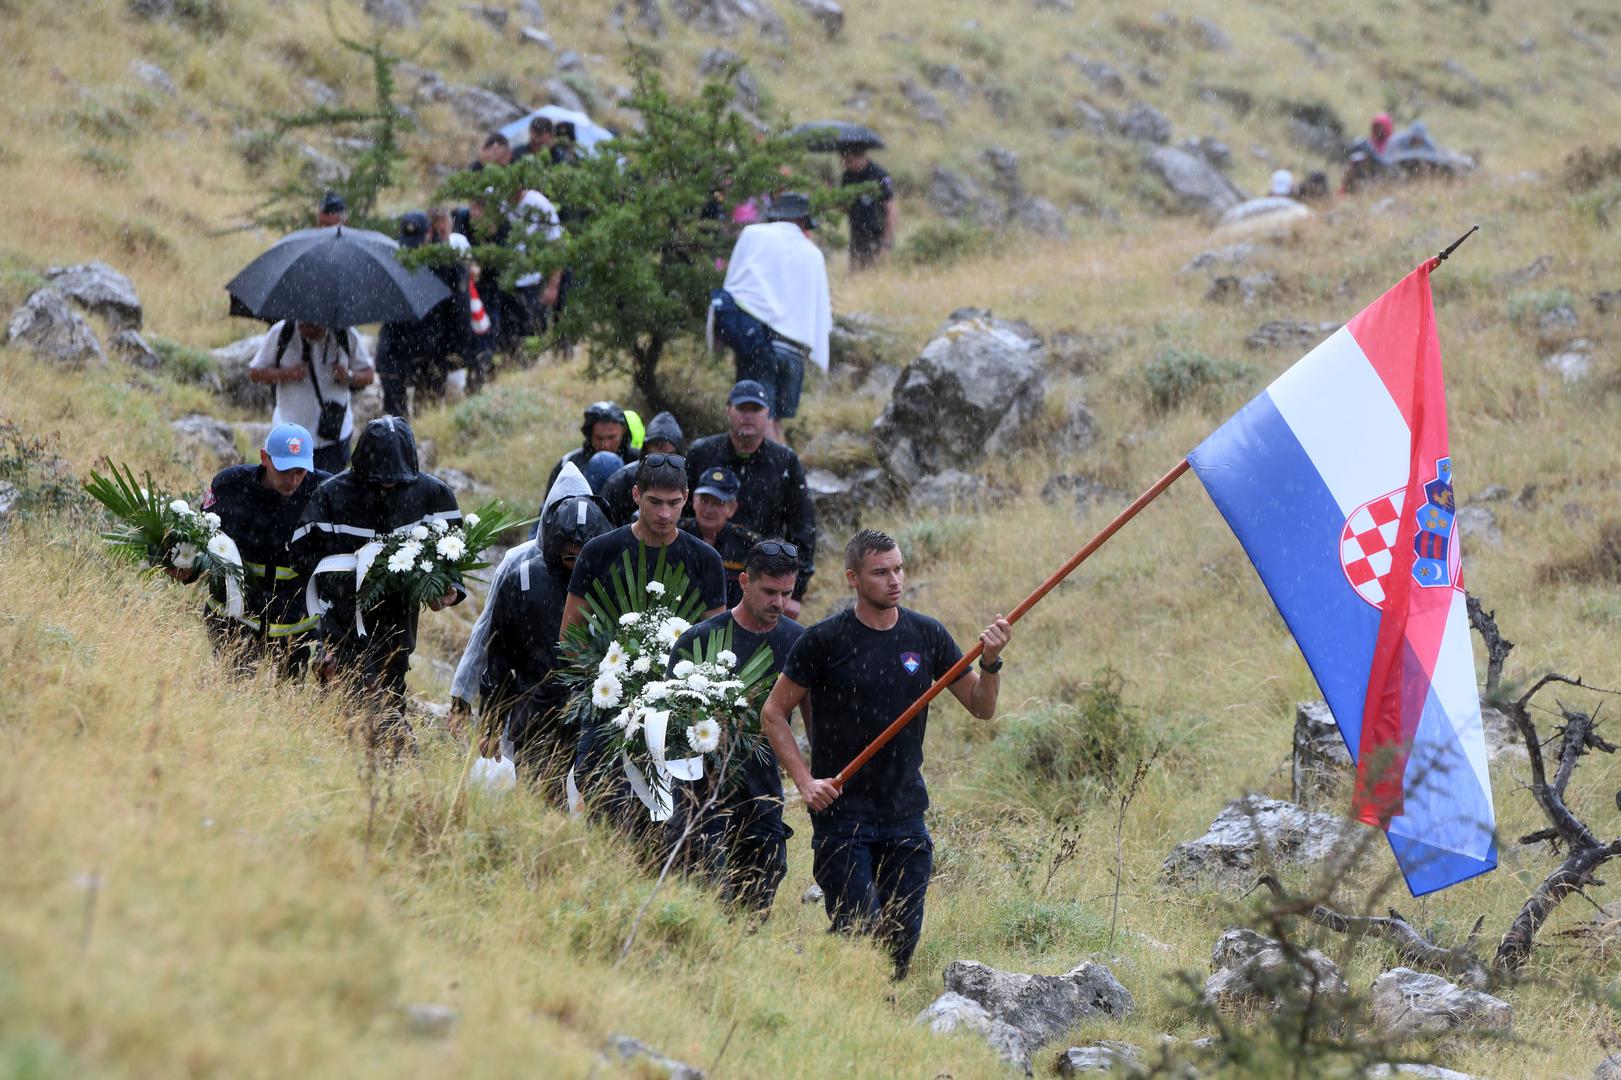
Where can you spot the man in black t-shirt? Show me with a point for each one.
(742, 840)
(872, 216)
(660, 493)
(861, 669)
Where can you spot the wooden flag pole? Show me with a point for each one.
(1014, 616)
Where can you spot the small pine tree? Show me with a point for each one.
(637, 237)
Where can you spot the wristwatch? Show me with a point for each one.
(991, 669)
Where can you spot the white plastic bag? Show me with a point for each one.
(494, 776)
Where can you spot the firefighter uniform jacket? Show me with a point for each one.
(261, 521)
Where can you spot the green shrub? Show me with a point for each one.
(942, 243)
(183, 362)
(1089, 740)
(35, 478)
(928, 539)
(1041, 927)
(1536, 304)
(499, 411)
(1180, 377)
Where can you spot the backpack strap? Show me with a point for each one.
(288, 328)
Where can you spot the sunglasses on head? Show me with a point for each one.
(656, 460)
(776, 547)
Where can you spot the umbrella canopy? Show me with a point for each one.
(587, 132)
(334, 277)
(829, 135)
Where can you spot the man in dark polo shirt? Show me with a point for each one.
(742, 841)
(773, 498)
(861, 669)
(872, 216)
(660, 493)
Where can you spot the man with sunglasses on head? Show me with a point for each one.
(742, 842)
(773, 498)
(660, 493)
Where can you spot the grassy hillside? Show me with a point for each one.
(204, 875)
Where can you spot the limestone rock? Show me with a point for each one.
(971, 391)
(1409, 1004)
(1479, 525)
(366, 403)
(1086, 491)
(949, 490)
(628, 1051)
(1231, 255)
(1197, 187)
(495, 17)
(844, 501)
(924, 106)
(462, 484)
(1145, 123)
(534, 36)
(1209, 35)
(1573, 363)
(396, 13)
(728, 17)
(1290, 333)
(1608, 1069)
(1424, 1072)
(154, 77)
(953, 1012)
(812, 895)
(428, 1020)
(233, 361)
(859, 339)
(208, 440)
(53, 331)
(1563, 317)
(1217, 154)
(1099, 74)
(1248, 968)
(1109, 1057)
(100, 290)
(644, 15)
(131, 348)
(827, 13)
(1320, 761)
(955, 195)
(1040, 1007)
(1247, 289)
(1252, 834)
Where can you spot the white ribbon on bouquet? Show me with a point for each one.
(358, 563)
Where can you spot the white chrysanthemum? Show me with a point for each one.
(629, 617)
(419, 533)
(726, 658)
(614, 660)
(627, 718)
(704, 736)
(656, 588)
(440, 527)
(741, 703)
(411, 548)
(605, 691)
(212, 519)
(643, 664)
(180, 506)
(683, 668)
(426, 566)
(698, 681)
(470, 520)
(451, 547)
(656, 691)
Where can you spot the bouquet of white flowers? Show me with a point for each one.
(163, 530)
(665, 721)
(422, 561)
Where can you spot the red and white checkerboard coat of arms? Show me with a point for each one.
(1366, 542)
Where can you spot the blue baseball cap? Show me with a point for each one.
(290, 447)
(720, 482)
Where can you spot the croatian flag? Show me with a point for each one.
(1338, 482)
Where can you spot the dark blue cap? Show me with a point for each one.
(413, 229)
(748, 392)
(720, 482)
(332, 203)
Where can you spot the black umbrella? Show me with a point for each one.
(335, 276)
(826, 135)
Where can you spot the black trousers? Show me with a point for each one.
(740, 847)
(874, 876)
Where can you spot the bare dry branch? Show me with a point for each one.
(1497, 646)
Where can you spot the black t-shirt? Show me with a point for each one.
(861, 679)
(602, 556)
(733, 542)
(869, 213)
(761, 781)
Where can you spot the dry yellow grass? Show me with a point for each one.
(190, 885)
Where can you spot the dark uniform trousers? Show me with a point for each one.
(873, 877)
(742, 847)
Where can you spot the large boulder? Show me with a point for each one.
(130, 347)
(234, 385)
(1198, 188)
(1253, 834)
(1290, 333)
(969, 393)
(1608, 1069)
(1040, 1007)
(100, 290)
(827, 13)
(54, 331)
(1146, 124)
(1410, 1004)
(842, 502)
(923, 105)
(728, 17)
(953, 1012)
(208, 441)
(1248, 968)
(1320, 760)
(1114, 1058)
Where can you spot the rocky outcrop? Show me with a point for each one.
(728, 17)
(1248, 968)
(1320, 762)
(970, 392)
(1251, 835)
(53, 331)
(953, 1012)
(1410, 1004)
(827, 13)
(646, 1061)
(233, 362)
(1196, 187)
(208, 441)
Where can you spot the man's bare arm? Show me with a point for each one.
(572, 615)
(785, 695)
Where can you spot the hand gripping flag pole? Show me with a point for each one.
(1338, 483)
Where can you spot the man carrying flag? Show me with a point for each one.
(1338, 482)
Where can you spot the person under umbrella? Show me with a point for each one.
(872, 215)
(314, 371)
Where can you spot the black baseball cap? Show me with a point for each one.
(748, 392)
(413, 229)
(720, 482)
(332, 203)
